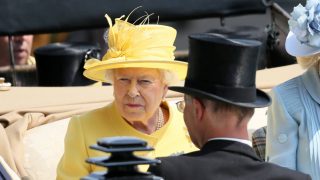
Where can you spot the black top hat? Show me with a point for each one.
(61, 64)
(223, 69)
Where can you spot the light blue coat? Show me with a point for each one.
(293, 131)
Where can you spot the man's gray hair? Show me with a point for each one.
(219, 106)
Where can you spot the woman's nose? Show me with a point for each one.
(133, 90)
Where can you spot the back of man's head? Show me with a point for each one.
(221, 81)
(207, 119)
(217, 106)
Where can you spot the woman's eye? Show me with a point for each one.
(124, 80)
(145, 82)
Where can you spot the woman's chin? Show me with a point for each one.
(134, 118)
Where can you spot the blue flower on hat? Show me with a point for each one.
(305, 23)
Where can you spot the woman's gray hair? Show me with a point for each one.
(308, 61)
(168, 77)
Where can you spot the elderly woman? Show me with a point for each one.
(293, 138)
(140, 64)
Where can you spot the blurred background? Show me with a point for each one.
(235, 20)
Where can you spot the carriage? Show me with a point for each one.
(39, 115)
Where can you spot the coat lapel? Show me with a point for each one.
(229, 146)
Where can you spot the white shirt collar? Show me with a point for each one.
(244, 141)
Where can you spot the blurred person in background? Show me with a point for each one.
(22, 45)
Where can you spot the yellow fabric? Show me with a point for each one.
(85, 130)
(143, 46)
(31, 60)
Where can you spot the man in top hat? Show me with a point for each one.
(220, 97)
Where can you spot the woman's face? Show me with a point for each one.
(138, 92)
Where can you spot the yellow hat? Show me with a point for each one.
(137, 46)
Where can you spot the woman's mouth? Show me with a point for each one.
(131, 105)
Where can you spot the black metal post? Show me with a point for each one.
(12, 61)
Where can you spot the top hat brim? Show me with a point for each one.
(295, 48)
(98, 72)
(262, 98)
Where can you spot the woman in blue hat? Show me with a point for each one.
(293, 138)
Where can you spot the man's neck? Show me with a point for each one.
(244, 141)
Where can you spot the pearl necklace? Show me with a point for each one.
(160, 121)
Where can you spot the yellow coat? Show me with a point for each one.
(85, 130)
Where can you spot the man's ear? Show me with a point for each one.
(198, 109)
